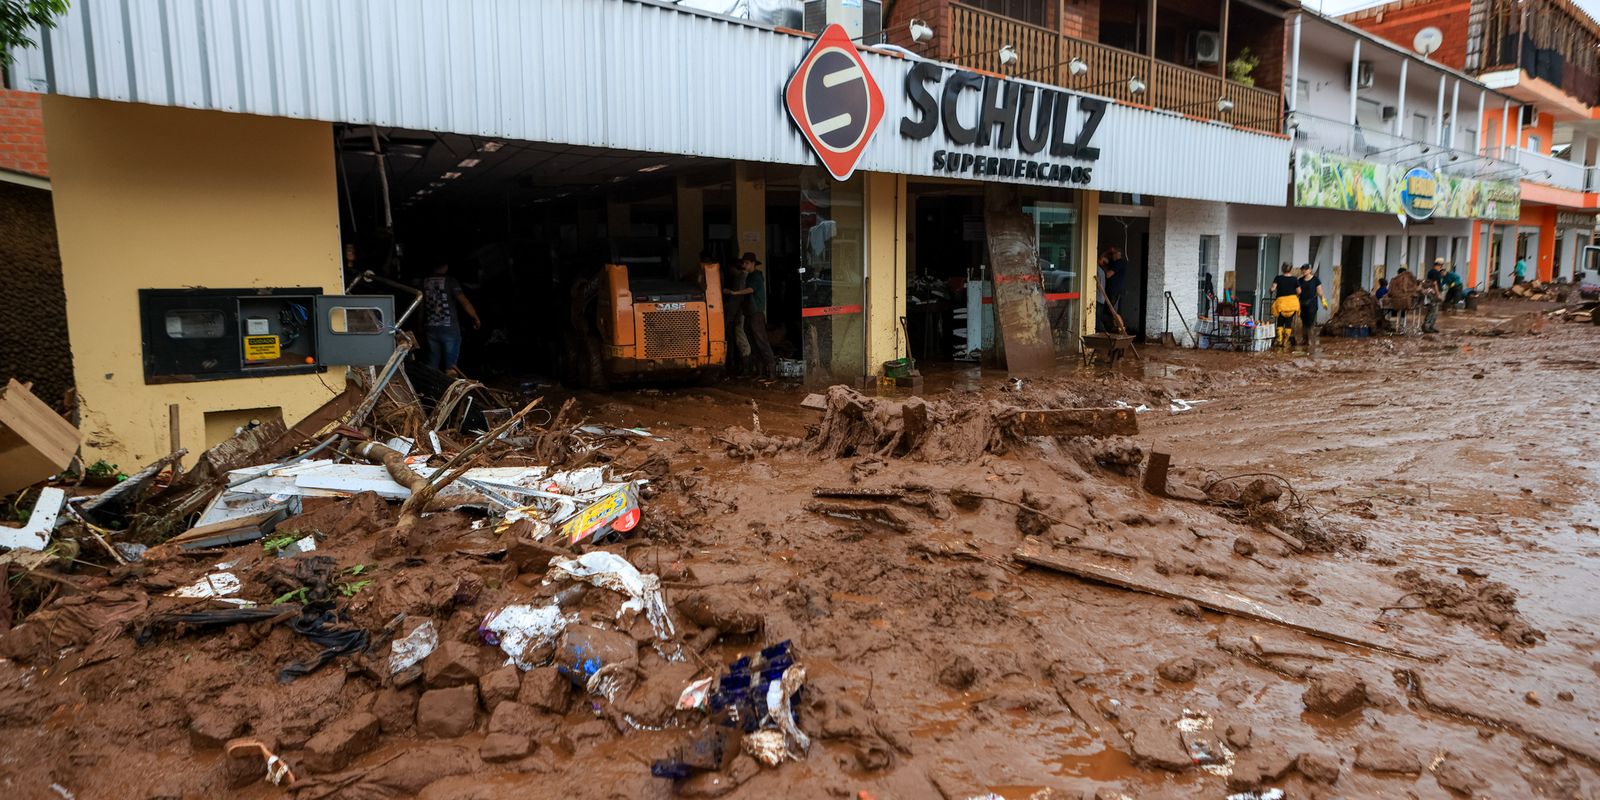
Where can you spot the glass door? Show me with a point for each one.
(832, 269)
(1056, 231)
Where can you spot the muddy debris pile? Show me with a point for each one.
(1485, 604)
(1269, 503)
(1359, 309)
(951, 431)
(348, 584)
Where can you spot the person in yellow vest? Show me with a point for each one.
(1285, 304)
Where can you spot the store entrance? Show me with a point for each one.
(949, 291)
(1351, 266)
(1131, 236)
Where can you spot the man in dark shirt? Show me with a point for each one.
(1436, 272)
(1310, 298)
(1115, 268)
(441, 323)
(754, 297)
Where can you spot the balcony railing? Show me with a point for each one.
(1376, 145)
(1548, 170)
(1043, 55)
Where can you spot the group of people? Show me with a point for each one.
(1440, 287)
(1294, 303)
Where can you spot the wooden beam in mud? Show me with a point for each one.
(1072, 421)
(1219, 601)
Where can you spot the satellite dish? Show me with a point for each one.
(1427, 41)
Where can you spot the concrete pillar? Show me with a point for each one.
(886, 268)
(1546, 246)
(1089, 234)
(691, 226)
(749, 211)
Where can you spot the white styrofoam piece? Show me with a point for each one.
(36, 534)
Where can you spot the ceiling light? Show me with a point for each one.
(1135, 86)
(920, 31)
(1008, 55)
(450, 176)
(436, 184)
(492, 147)
(469, 162)
(653, 168)
(1077, 67)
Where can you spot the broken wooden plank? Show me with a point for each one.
(35, 441)
(815, 402)
(1282, 536)
(1155, 473)
(325, 415)
(1071, 421)
(1020, 313)
(856, 493)
(887, 516)
(1219, 601)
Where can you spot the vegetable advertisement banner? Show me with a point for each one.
(1326, 180)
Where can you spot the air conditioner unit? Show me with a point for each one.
(1205, 48)
(1389, 113)
(1364, 77)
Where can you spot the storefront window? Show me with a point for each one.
(833, 252)
(1056, 231)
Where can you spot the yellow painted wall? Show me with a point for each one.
(886, 268)
(149, 197)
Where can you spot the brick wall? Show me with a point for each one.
(1399, 22)
(22, 133)
(33, 320)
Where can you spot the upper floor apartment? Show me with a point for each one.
(1543, 55)
(1218, 60)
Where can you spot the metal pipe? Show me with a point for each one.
(1400, 113)
(1355, 76)
(1294, 65)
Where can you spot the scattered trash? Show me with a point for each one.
(755, 699)
(63, 791)
(418, 644)
(1267, 794)
(278, 772)
(523, 630)
(215, 585)
(131, 551)
(617, 512)
(696, 695)
(35, 535)
(611, 571)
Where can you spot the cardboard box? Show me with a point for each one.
(35, 442)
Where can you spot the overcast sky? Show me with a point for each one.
(1341, 6)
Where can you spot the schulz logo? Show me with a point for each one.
(835, 102)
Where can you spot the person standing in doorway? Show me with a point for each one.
(1519, 271)
(1310, 297)
(754, 297)
(1114, 271)
(441, 297)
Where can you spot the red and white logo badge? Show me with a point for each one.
(835, 102)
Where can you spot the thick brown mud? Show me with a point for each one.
(937, 665)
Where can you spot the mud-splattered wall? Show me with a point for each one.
(33, 307)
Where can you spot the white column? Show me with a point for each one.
(1478, 146)
(1455, 108)
(1294, 66)
(1517, 143)
(1355, 74)
(1400, 111)
(1505, 124)
(1438, 115)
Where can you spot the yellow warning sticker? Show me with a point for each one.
(260, 348)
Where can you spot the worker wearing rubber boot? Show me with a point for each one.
(1285, 305)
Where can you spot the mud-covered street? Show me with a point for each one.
(1370, 574)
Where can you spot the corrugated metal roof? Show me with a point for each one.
(626, 74)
